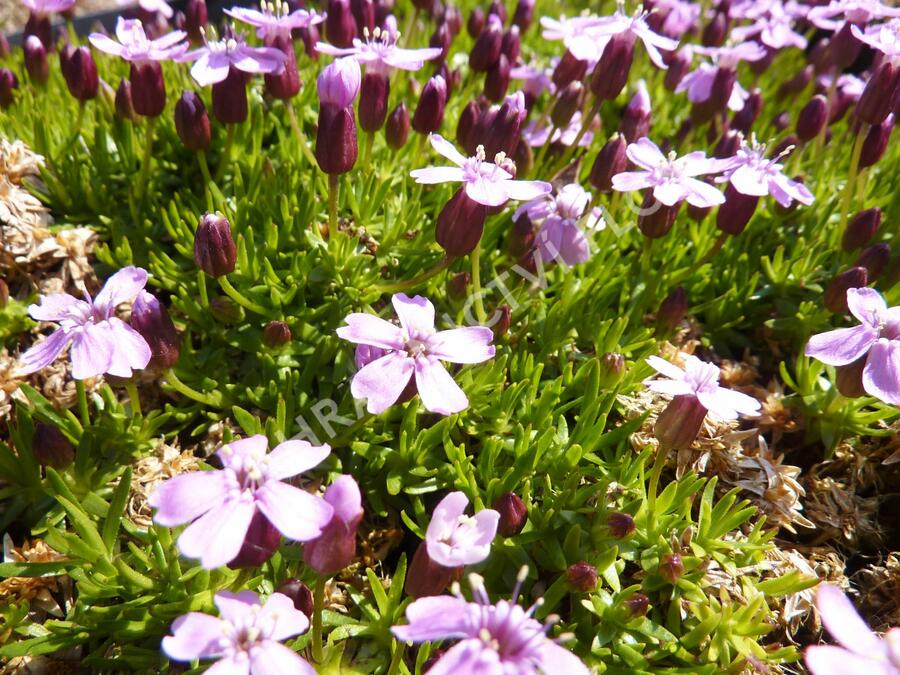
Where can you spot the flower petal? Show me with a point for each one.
(188, 496)
(44, 353)
(230, 665)
(437, 174)
(844, 624)
(194, 636)
(236, 608)
(272, 658)
(629, 181)
(560, 661)
(447, 149)
(123, 286)
(92, 351)
(294, 457)
(441, 617)
(59, 306)
(416, 314)
(471, 656)
(217, 536)
(130, 351)
(345, 498)
(867, 305)
(368, 329)
(437, 389)
(881, 375)
(382, 381)
(829, 660)
(522, 190)
(645, 153)
(289, 621)
(297, 514)
(463, 345)
(106, 44)
(842, 346)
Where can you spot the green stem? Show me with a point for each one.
(655, 473)
(146, 160)
(214, 401)
(850, 187)
(344, 438)
(207, 180)
(396, 657)
(226, 153)
(393, 287)
(334, 187)
(318, 653)
(82, 404)
(585, 125)
(480, 314)
(201, 287)
(298, 133)
(240, 299)
(134, 398)
(367, 157)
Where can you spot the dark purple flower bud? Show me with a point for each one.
(441, 39)
(636, 118)
(861, 228)
(501, 321)
(610, 160)
(637, 605)
(782, 121)
(51, 448)
(698, 213)
(429, 113)
(728, 145)
(426, 577)
(192, 122)
(36, 63)
(715, 31)
(68, 49)
(299, 594)
(785, 147)
(214, 249)
(520, 239)
(877, 99)
(679, 423)
(582, 577)
(457, 287)
(849, 379)
(671, 568)
(797, 83)
(744, 118)
(460, 224)
(513, 514)
(229, 97)
(486, 50)
(672, 309)
(225, 310)
(656, 219)
(610, 75)
(819, 55)
(835, 298)
(523, 157)
(340, 27)
(124, 104)
(148, 88)
(453, 19)
(612, 369)
(364, 15)
(875, 143)
(150, 318)
(196, 17)
(259, 545)
(8, 84)
(496, 81)
(620, 524)
(511, 45)
(465, 127)
(678, 68)
(523, 16)
(336, 146)
(41, 28)
(276, 334)
(874, 259)
(844, 48)
(285, 84)
(310, 37)
(722, 86)
(335, 548)
(475, 23)
(396, 132)
(568, 70)
(503, 133)
(373, 100)
(736, 211)
(812, 118)
(568, 101)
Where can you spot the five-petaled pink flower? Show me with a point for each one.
(752, 173)
(857, 12)
(101, 342)
(216, 57)
(577, 35)
(861, 651)
(672, 178)
(494, 638)
(883, 37)
(700, 380)
(634, 28)
(453, 538)
(414, 349)
(699, 82)
(487, 183)
(560, 237)
(220, 504)
(775, 28)
(877, 339)
(379, 53)
(275, 19)
(134, 45)
(245, 639)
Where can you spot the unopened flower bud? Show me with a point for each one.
(299, 594)
(672, 309)
(192, 122)
(396, 131)
(656, 218)
(523, 156)
(496, 81)
(40, 27)
(36, 63)
(620, 524)
(812, 118)
(465, 127)
(849, 379)
(497, 8)
(284, 84)
(81, 75)
(335, 548)
(51, 448)
(503, 133)
(637, 605)
(678, 68)
(582, 577)
(336, 145)
(225, 310)
(513, 514)
(744, 118)
(363, 12)
(698, 213)
(715, 31)
(276, 334)
(736, 211)
(8, 84)
(835, 298)
(523, 14)
(441, 39)
(309, 36)
(260, 543)
(611, 72)
(501, 321)
(340, 26)
(612, 369)
(520, 239)
(635, 122)
(425, 577)
(475, 22)
(486, 50)
(150, 318)
(457, 286)
(797, 83)
(196, 16)
(844, 48)
(786, 147)
(875, 143)
(429, 113)
(511, 45)
(728, 145)
(671, 568)
(460, 224)
(569, 69)
(214, 249)
(874, 259)
(877, 98)
(148, 88)
(373, 101)
(568, 101)
(861, 228)
(679, 423)
(610, 161)
(124, 103)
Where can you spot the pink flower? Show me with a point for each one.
(274, 20)
(246, 640)
(698, 83)
(877, 339)
(42, 8)
(536, 80)
(414, 349)
(560, 237)
(883, 37)
(334, 549)
(700, 380)
(672, 178)
(134, 45)
(680, 16)
(577, 35)
(536, 136)
(775, 29)
(494, 638)
(453, 538)
(487, 183)
(214, 59)
(752, 173)
(635, 28)
(152, 7)
(862, 651)
(101, 342)
(379, 53)
(220, 504)
(857, 12)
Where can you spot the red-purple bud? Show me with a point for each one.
(486, 50)
(40, 27)
(568, 70)
(310, 37)
(636, 118)
(656, 218)
(36, 63)
(453, 19)
(620, 524)
(523, 16)
(457, 286)
(849, 379)
(475, 22)
(520, 239)
(582, 577)
(192, 122)
(214, 249)
(498, 8)
(511, 45)
(441, 39)
(150, 318)
(672, 309)
(501, 321)
(196, 17)
(260, 543)
(671, 568)
(728, 145)
(336, 146)
(782, 121)
(426, 577)
(610, 161)
(496, 81)
(611, 72)
(679, 423)
(877, 98)
(373, 100)
(364, 15)
(460, 224)
(715, 31)
(844, 48)
(51, 448)
(875, 143)
(721, 88)
(513, 514)
(396, 131)
(874, 259)
(340, 26)
(785, 147)
(465, 127)
(276, 334)
(429, 113)
(225, 310)
(678, 68)
(736, 211)
(148, 88)
(299, 594)
(835, 298)
(8, 84)
(505, 127)
(797, 83)
(637, 605)
(80, 74)
(743, 119)
(861, 228)
(285, 84)
(335, 548)
(568, 101)
(612, 369)
(812, 118)
(698, 213)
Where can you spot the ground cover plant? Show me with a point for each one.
(388, 337)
